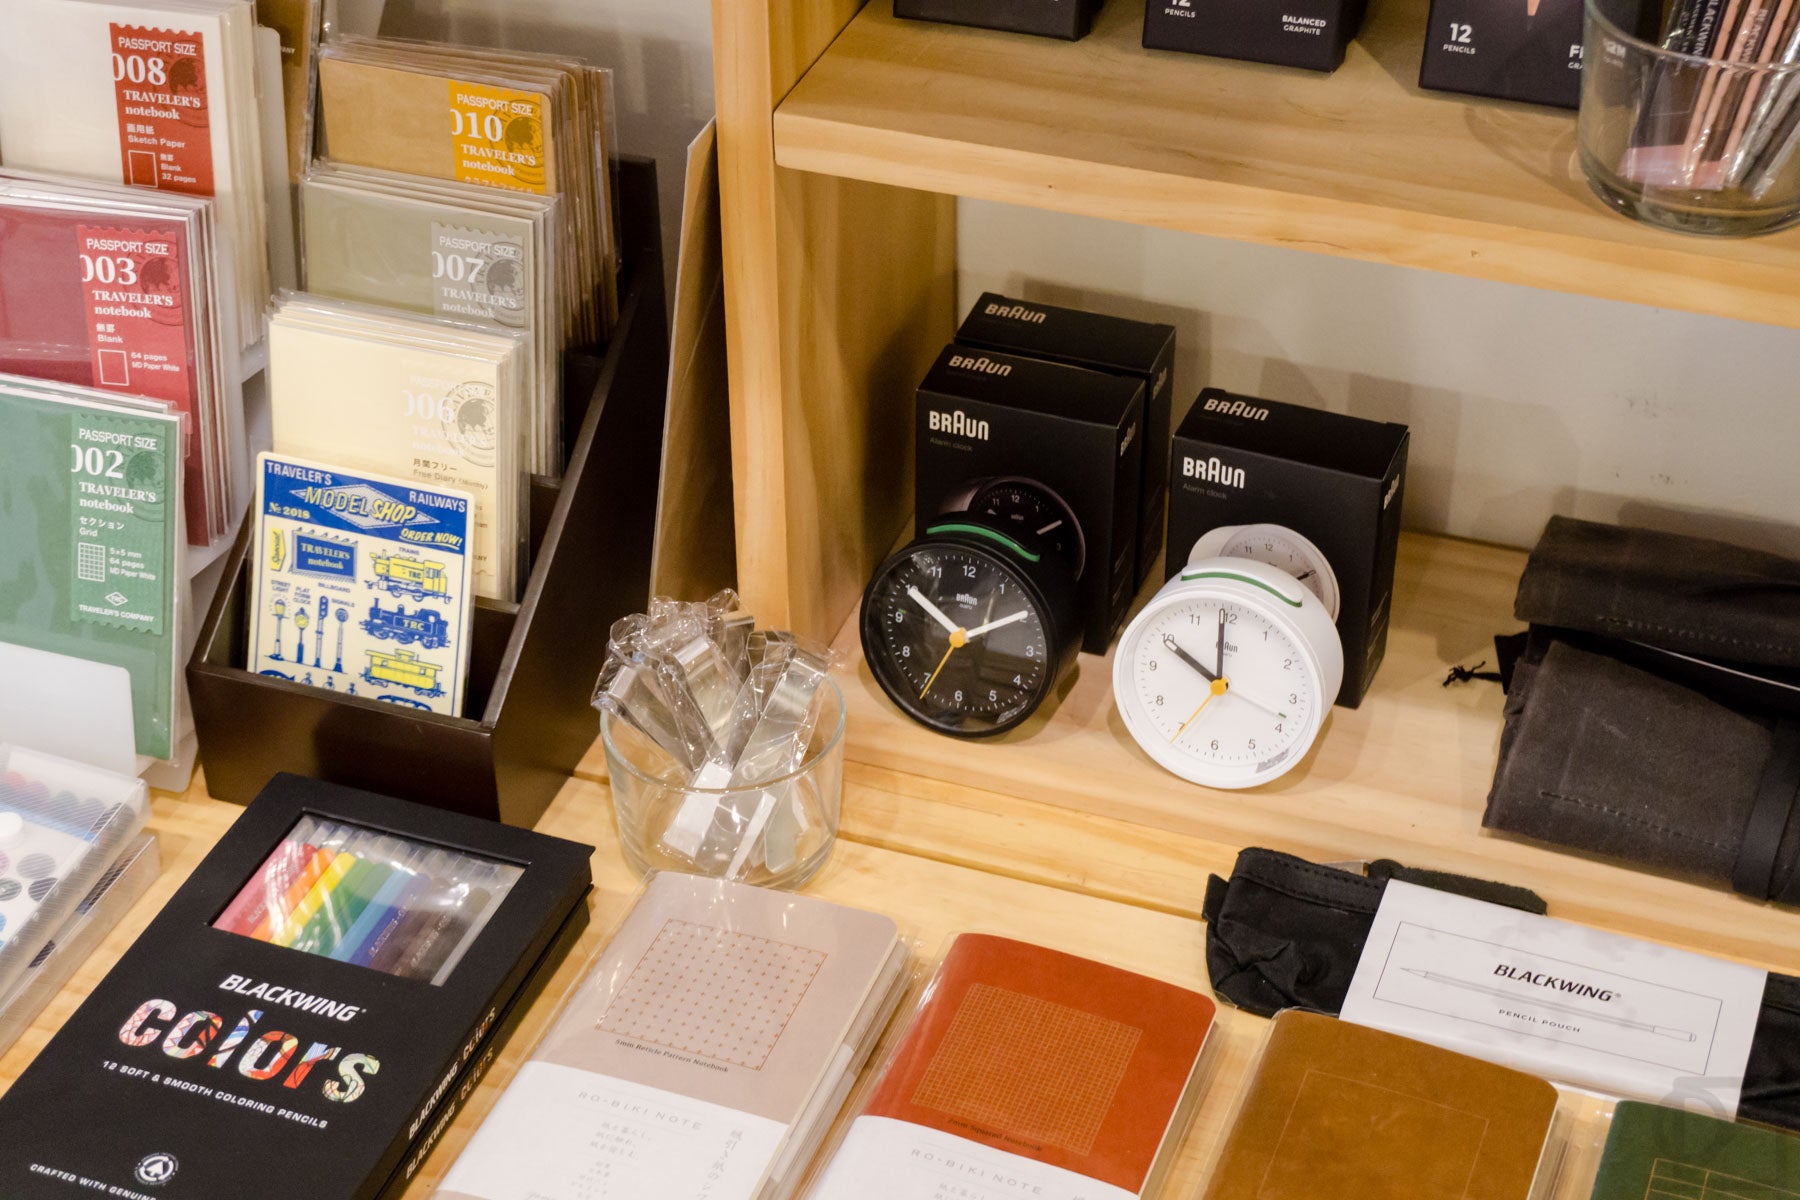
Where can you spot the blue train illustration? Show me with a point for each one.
(413, 577)
(424, 626)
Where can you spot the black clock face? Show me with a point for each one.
(1033, 509)
(956, 639)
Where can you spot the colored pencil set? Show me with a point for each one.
(372, 899)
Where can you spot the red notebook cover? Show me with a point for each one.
(102, 302)
(1038, 1053)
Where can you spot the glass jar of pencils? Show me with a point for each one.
(1700, 133)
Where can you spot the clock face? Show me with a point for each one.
(1280, 547)
(1036, 510)
(1218, 687)
(955, 638)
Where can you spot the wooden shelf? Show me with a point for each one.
(1360, 163)
(1404, 776)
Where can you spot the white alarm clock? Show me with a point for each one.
(1226, 676)
(1278, 546)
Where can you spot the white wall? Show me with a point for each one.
(1522, 402)
(661, 51)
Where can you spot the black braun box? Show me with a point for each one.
(1118, 346)
(1289, 33)
(1068, 19)
(307, 1011)
(985, 417)
(1528, 50)
(1338, 481)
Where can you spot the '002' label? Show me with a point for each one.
(165, 134)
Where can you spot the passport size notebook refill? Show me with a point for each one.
(179, 114)
(705, 1052)
(1655, 1153)
(361, 584)
(91, 558)
(117, 288)
(1051, 1072)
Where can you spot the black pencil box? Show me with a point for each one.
(1066, 19)
(213, 1061)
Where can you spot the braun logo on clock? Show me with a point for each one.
(959, 423)
(983, 365)
(1236, 408)
(1016, 312)
(1211, 470)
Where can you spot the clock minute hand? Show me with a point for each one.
(936, 613)
(993, 625)
(1174, 647)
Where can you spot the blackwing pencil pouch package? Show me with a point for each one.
(295, 1022)
(1283, 933)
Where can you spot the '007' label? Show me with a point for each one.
(165, 128)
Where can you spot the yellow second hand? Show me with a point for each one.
(1218, 688)
(958, 639)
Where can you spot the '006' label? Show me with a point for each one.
(165, 133)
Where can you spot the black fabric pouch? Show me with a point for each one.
(1286, 933)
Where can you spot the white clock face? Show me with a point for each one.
(1261, 711)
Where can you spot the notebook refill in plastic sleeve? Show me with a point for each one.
(361, 584)
(1335, 1110)
(502, 119)
(90, 547)
(472, 254)
(413, 398)
(62, 824)
(1026, 1071)
(703, 1054)
(155, 93)
(117, 288)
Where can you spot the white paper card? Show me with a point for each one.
(588, 1136)
(885, 1159)
(1569, 1003)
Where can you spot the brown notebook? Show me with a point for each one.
(1055, 1076)
(1340, 1112)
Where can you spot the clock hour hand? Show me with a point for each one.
(936, 613)
(993, 625)
(1174, 647)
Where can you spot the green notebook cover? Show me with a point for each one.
(88, 564)
(1656, 1153)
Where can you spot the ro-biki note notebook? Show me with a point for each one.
(1657, 1153)
(1339, 1112)
(1028, 1072)
(702, 1056)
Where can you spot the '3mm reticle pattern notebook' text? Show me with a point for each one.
(1340, 1112)
(701, 1057)
(1028, 1072)
(1655, 1153)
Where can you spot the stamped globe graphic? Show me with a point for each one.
(156, 1169)
(470, 422)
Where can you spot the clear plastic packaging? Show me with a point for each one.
(62, 824)
(1056, 1076)
(705, 1051)
(396, 905)
(119, 887)
(1641, 1151)
(1332, 1109)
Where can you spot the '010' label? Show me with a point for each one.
(165, 127)
(497, 136)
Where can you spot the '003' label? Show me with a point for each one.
(165, 134)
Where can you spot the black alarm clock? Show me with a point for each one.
(1020, 503)
(973, 625)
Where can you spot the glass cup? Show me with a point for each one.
(1690, 143)
(775, 834)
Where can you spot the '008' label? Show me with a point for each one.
(165, 132)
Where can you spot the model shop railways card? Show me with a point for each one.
(362, 584)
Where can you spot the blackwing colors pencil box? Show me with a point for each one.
(1066, 19)
(294, 1023)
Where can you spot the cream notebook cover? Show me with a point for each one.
(688, 1053)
